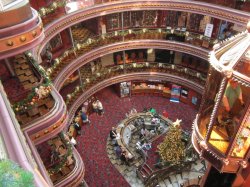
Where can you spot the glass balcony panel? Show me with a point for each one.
(228, 118)
(214, 80)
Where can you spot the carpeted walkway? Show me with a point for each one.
(92, 142)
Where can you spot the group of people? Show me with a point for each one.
(120, 151)
(97, 107)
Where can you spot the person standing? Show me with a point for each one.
(95, 108)
(100, 108)
(85, 118)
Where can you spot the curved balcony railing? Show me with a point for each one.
(220, 12)
(149, 67)
(116, 74)
(190, 39)
(76, 175)
(50, 124)
(17, 148)
(137, 44)
(21, 37)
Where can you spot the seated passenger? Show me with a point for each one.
(118, 151)
(126, 156)
(144, 132)
(113, 133)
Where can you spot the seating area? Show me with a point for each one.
(24, 72)
(57, 157)
(42, 107)
(80, 34)
(195, 64)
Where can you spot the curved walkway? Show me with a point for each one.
(92, 143)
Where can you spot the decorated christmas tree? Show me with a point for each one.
(172, 149)
(11, 175)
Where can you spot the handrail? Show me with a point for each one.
(82, 47)
(220, 12)
(136, 44)
(128, 77)
(76, 175)
(107, 72)
(17, 147)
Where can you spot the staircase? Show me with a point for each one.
(185, 177)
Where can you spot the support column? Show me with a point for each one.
(204, 178)
(9, 67)
(80, 77)
(123, 53)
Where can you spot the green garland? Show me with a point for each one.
(44, 11)
(28, 102)
(63, 161)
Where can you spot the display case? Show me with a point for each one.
(123, 89)
(149, 87)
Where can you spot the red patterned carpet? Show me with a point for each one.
(92, 142)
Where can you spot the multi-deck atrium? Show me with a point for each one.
(173, 79)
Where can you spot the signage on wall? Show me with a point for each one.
(209, 30)
(175, 93)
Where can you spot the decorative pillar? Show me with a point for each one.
(8, 65)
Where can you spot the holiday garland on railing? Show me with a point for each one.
(117, 36)
(42, 90)
(63, 161)
(44, 11)
(132, 66)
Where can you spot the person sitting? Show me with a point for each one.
(77, 127)
(100, 108)
(113, 135)
(125, 156)
(85, 118)
(144, 132)
(118, 151)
